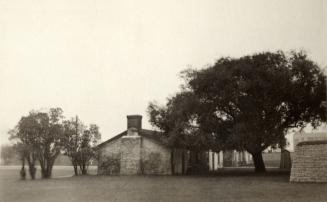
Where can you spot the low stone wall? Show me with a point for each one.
(310, 162)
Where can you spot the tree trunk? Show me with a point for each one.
(45, 168)
(84, 169)
(42, 165)
(32, 170)
(48, 170)
(258, 162)
(31, 165)
(183, 162)
(75, 164)
(75, 168)
(172, 162)
(22, 170)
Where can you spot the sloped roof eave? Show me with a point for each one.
(112, 139)
(150, 134)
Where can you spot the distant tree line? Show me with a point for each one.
(8, 154)
(42, 136)
(245, 104)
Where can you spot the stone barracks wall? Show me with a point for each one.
(310, 162)
(130, 155)
(155, 158)
(134, 155)
(109, 158)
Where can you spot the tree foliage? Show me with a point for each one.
(178, 121)
(41, 136)
(80, 142)
(262, 96)
(248, 103)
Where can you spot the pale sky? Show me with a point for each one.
(105, 59)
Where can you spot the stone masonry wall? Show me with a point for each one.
(310, 162)
(131, 155)
(155, 158)
(130, 148)
(109, 159)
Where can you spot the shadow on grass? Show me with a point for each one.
(247, 172)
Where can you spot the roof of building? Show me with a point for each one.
(153, 135)
(312, 142)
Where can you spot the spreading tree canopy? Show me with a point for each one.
(250, 103)
(41, 134)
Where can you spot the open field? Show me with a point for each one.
(229, 185)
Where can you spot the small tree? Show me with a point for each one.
(41, 135)
(72, 131)
(89, 140)
(80, 142)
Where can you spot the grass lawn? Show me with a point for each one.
(228, 185)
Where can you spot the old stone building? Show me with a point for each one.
(139, 151)
(302, 136)
(310, 162)
(310, 156)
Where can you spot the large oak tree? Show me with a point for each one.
(246, 103)
(258, 98)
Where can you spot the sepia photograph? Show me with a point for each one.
(163, 100)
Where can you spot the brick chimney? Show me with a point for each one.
(134, 121)
(130, 147)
